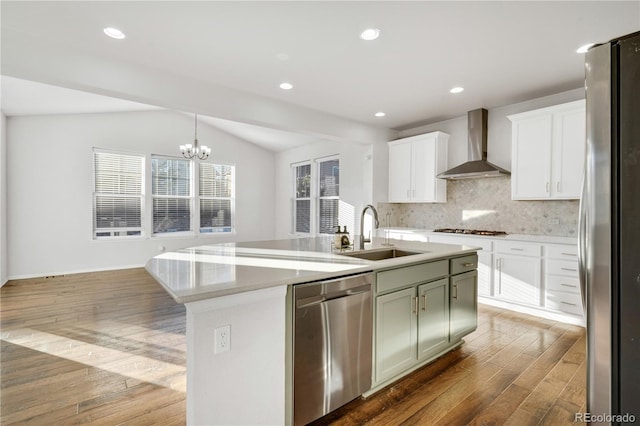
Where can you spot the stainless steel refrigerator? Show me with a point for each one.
(610, 230)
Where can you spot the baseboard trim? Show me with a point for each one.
(532, 310)
(76, 271)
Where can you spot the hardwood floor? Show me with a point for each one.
(108, 348)
(513, 370)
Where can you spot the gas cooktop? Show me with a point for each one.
(470, 231)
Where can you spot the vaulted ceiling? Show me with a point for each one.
(500, 52)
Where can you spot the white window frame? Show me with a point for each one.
(232, 200)
(314, 213)
(191, 198)
(141, 196)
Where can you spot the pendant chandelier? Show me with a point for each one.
(190, 151)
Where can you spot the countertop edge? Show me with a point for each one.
(367, 266)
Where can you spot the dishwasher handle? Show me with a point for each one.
(333, 295)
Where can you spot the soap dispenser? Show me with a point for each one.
(337, 238)
(344, 241)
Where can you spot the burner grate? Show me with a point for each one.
(470, 231)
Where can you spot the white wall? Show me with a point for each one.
(356, 168)
(498, 137)
(50, 187)
(3, 199)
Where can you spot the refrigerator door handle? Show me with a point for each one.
(582, 241)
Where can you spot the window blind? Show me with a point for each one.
(329, 195)
(171, 193)
(302, 199)
(118, 194)
(216, 190)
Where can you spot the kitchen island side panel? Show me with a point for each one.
(246, 384)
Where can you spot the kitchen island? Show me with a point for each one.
(236, 301)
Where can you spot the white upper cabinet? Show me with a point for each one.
(548, 152)
(413, 165)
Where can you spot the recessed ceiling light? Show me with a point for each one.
(286, 86)
(583, 49)
(370, 34)
(380, 114)
(114, 33)
(456, 90)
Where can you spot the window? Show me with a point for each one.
(216, 197)
(302, 198)
(172, 195)
(118, 196)
(328, 195)
(316, 195)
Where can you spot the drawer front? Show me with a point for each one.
(464, 264)
(562, 267)
(524, 249)
(408, 275)
(568, 284)
(564, 252)
(565, 302)
(475, 242)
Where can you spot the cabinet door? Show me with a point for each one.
(423, 165)
(464, 304)
(568, 153)
(531, 157)
(400, 172)
(518, 279)
(485, 269)
(433, 318)
(396, 334)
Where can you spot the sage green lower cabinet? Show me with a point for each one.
(433, 318)
(464, 304)
(422, 311)
(396, 335)
(411, 328)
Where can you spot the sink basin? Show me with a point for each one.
(381, 254)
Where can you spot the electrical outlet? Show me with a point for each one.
(222, 340)
(554, 221)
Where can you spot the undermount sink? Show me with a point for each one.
(382, 254)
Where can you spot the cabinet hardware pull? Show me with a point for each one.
(558, 186)
(568, 254)
(408, 193)
(499, 265)
(569, 269)
(568, 285)
(547, 186)
(468, 265)
(517, 249)
(567, 303)
(414, 302)
(424, 302)
(414, 192)
(455, 287)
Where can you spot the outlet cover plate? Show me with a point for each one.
(222, 339)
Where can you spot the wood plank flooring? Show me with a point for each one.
(108, 348)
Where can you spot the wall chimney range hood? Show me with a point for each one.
(477, 165)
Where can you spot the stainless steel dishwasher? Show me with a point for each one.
(332, 332)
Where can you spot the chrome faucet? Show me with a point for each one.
(376, 224)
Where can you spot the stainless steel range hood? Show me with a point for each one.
(477, 166)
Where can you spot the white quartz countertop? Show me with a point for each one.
(509, 237)
(216, 270)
